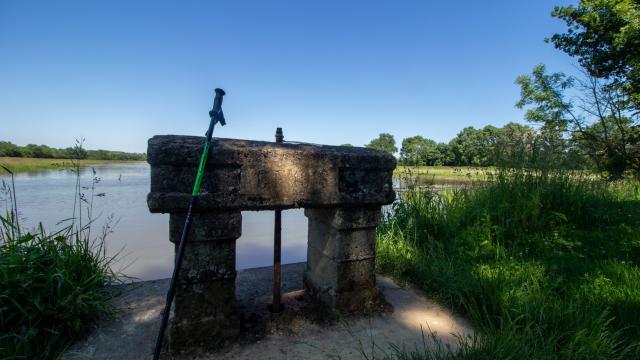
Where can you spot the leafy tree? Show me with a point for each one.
(446, 154)
(475, 146)
(516, 145)
(412, 149)
(604, 35)
(384, 142)
(37, 151)
(9, 149)
(70, 153)
(417, 150)
(75, 152)
(347, 145)
(602, 121)
(599, 120)
(463, 146)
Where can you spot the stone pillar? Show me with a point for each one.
(205, 313)
(341, 257)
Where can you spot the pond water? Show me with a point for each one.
(142, 238)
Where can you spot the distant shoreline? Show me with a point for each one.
(22, 164)
(467, 173)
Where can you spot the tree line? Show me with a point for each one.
(517, 144)
(512, 144)
(9, 149)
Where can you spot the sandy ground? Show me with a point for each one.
(412, 322)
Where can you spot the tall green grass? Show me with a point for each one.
(52, 285)
(545, 264)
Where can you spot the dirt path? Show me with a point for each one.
(292, 335)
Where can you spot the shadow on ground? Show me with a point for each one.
(297, 333)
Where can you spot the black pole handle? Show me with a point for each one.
(216, 113)
(217, 102)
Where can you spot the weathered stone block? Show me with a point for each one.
(355, 218)
(206, 261)
(342, 244)
(360, 299)
(208, 226)
(346, 218)
(203, 333)
(205, 315)
(339, 275)
(343, 233)
(224, 181)
(254, 175)
(211, 299)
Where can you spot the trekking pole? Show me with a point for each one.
(216, 116)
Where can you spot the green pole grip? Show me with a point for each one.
(200, 174)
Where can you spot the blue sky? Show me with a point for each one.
(119, 72)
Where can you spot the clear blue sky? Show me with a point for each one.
(118, 72)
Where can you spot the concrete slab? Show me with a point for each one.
(298, 333)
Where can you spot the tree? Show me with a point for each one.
(347, 145)
(417, 150)
(446, 154)
(384, 142)
(430, 153)
(475, 147)
(37, 151)
(516, 145)
(599, 119)
(9, 149)
(412, 149)
(604, 35)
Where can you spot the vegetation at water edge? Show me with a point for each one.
(8, 149)
(53, 286)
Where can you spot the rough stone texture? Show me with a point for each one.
(341, 188)
(254, 175)
(205, 315)
(341, 256)
(207, 226)
(205, 312)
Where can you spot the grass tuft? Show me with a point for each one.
(53, 286)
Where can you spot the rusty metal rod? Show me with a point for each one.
(276, 305)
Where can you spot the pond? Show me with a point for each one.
(139, 237)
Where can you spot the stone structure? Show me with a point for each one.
(342, 190)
